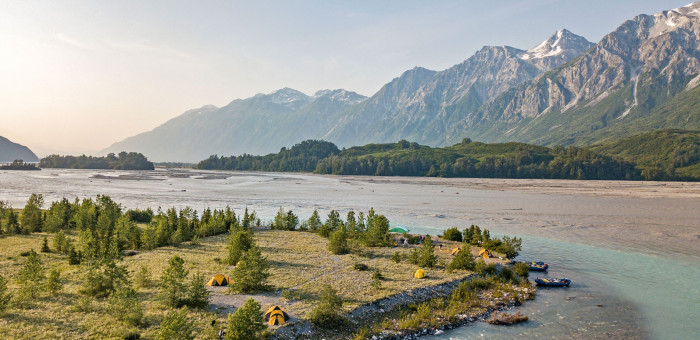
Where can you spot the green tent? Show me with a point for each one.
(400, 230)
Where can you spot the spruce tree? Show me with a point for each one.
(197, 293)
(143, 278)
(172, 282)
(314, 222)
(54, 284)
(251, 273)
(246, 322)
(5, 294)
(239, 242)
(32, 275)
(126, 305)
(338, 243)
(176, 326)
(462, 260)
(427, 258)
(45, 246)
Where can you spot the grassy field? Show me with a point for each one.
(300, 264)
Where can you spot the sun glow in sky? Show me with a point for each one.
(77, 76)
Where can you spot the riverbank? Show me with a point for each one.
(418, 312)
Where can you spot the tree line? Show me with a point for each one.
(122, 161)
(466, 159)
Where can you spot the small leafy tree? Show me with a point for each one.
(246, 322)
(452, 234)
(5, 294)
(327, 312)
(338, 243)
(396, 257)
(172, 282)
(427, 258)
(251, 273)
(32, 275)
(54, 284)
(125, 305)
(239, 242)
(176, 326)
(30, 219)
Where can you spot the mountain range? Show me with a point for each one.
(566, 90)
(10, 151)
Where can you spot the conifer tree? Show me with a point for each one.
(54, 284)
(251, 272)
(172, 282)
(427, 256)
(32, 275)
(314, 221)
(338, 242)
(5, 294)
(246, 322)
(239, 242)
(126, 305)
(176, 326)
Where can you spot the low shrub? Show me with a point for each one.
(360, 266)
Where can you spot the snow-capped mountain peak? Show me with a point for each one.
(559, 43)
(341, 95)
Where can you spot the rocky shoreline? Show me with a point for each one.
(376, 309)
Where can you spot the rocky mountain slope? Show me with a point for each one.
(10, 151)
(422, 105)
(640, 77)
(419, 105)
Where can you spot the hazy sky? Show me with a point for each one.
(76, 76)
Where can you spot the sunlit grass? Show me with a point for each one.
(300, 265)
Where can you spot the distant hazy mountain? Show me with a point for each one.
(10, 151)
(260, 124)
(641, 77)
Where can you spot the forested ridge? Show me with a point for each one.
(465, 159)
(122, 161)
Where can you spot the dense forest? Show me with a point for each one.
(661, 155)
(466, 159)
(19, 164)
(122, 161)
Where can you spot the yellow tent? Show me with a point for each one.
(420, 273)
(276, 319)
(456, 251)
(485, 253)
(219, 280)
(276, 310)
